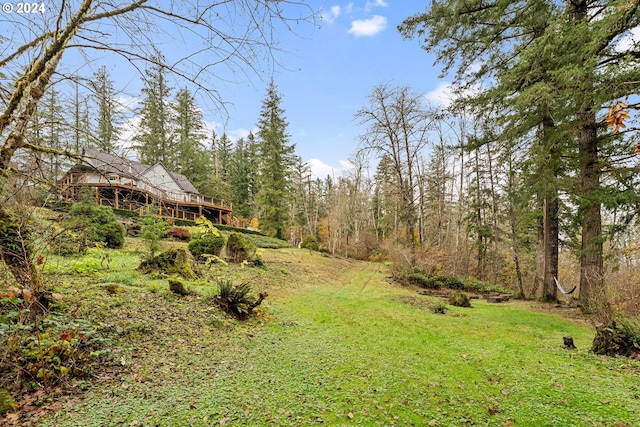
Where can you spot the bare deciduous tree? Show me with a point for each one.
(397, 125)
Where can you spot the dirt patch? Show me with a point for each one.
(567, 311)
(419, 302)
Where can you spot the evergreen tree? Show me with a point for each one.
(242, 176)
(53, 123)
(253, 160)
(385, 202)
(154, 140)
(83, 130)
(190, 157)
(223, 149)
(107, 132)
(276, 160)
(218, 184)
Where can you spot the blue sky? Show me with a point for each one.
(331, 70)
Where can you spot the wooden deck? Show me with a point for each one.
(136, 196)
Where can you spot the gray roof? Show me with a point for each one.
(108, 163)
(184, 183)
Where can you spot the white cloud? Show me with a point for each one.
(346, 165)
(211, 126)
(442, 95)
(128, 129)
(349, 8)
(330, 15)
(236, 134)
(375, 3)
(125, 103)
(319, 169)
(368, 27)
(628, 41)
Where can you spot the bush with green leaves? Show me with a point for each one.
(310, 242)
(452, 282)
(424, 281)
(207, 240)
(239, 248)
(89, 225)
(206, 244)
(439, 307)
(154, 228)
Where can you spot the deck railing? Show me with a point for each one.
(83, 179)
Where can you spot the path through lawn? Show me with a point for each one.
(338, 344)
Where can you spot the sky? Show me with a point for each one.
(330, 71)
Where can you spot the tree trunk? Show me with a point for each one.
(591, 261)
(481, 249)
(549, 290)
(538, 281)
(550, 208)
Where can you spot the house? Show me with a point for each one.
(125, 184)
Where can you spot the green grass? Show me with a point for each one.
(337, 344)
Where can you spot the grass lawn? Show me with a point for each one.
(335, 343)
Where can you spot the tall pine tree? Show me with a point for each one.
(276, 160)
(243, 172)
(190, 157)
(154, 140)
(107, 132)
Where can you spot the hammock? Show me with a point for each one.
(562, 290)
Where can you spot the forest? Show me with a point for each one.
(526, 181)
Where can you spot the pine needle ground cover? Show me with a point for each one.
(337, 344)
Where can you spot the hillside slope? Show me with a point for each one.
(335, 343)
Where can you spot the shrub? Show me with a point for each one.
(258, 261)
(421, 280)
(630, 326)
(179, 233)
(7, 402)
(206, 244)
(89, 224)
(207, 240)
(452, 282)
(439, 308)
(310, 242)
(153, 229)
(460, 299)
(239, 248)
